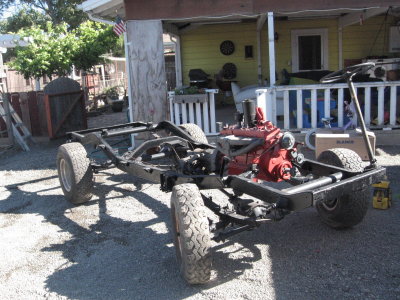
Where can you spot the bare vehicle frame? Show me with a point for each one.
(247, 159)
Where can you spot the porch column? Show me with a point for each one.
(178, 58)
(271, 97)
(148, 96)
(271, 46)
(129, 87)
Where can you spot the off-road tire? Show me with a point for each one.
(191, 235)
(350, 209)
(75, 173)
(195, 132)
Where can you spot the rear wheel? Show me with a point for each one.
(75, 173)
(191, 233)
(195, 132)
(350, 209)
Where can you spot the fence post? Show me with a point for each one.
(8, 119)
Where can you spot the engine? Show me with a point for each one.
(257, 146)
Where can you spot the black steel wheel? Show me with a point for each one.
(191, 235)
(349, 209)
(195, 132)
(75, 173)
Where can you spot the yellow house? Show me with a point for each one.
(366, 38)
(257, 39)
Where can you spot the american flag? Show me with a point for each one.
(119, 27)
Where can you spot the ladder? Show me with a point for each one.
(20, 132)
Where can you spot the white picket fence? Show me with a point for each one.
(198, 109)
(375, 93)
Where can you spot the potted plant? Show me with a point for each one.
(113, 98)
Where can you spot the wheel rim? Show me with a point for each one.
(66, 175)
(330, 204)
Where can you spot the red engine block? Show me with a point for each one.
(273, 162)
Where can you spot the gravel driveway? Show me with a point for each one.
(118, 245)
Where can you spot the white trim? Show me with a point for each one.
(90, 5)
(128, 78)
(323, 32)
(101, 20)
(178, 58)
(340, 44)
(354, 18)
(271, 45)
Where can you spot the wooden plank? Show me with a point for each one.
(198, 115)
(286, 116)
(42, 113)
(205, 118)
(262, 103)
(177, 120)
(184, 113)
(34, 114)
(327, 103)
(340, 107)
(299, 99)
(146, 61)
(15, 104)
(7, 107)
(213, 120)
(48, 115)
(83, 111)
(393, 105)
(381, 105)
(171, 96)
(191, 113)
(314, 115)
(367, 106)
(23, 100)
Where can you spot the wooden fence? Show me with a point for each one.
(48, 115)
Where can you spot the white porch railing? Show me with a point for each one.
(375, 93)
(198, 109)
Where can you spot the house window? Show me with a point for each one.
(309, 49)
(44, 79)
(248, 51)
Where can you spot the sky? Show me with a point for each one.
(10, 11)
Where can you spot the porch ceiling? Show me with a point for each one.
(223, 10)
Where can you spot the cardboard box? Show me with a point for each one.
(351, 139)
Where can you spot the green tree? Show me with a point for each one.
(94, 40)
(59, 11)
(49, 53)
(54, 50)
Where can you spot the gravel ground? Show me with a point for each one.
(118, 245)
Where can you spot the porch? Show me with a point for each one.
(300, 107)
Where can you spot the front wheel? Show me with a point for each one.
(347, 210)
(75, 173)
(191, 233)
